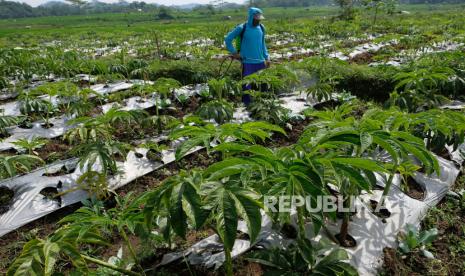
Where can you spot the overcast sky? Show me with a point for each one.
(35, 3)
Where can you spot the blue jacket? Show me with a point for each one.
(253, 47)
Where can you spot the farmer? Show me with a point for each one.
(250, 47)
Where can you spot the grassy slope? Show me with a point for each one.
(111, 22)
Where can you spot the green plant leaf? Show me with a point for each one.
(51, 252)
(227, 219)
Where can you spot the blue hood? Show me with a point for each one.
(252, 11)
(253, 47)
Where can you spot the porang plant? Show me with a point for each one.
(142, 90)
(276, 79)
(346, 142)
(30, 144)
(165, 88)
(95, 138)
(304, 258)
(201, 198)
(160, 122)
(102, 127)
(33, 106)
(440, 128)
(420, 89)
(269, 109)
(5, 122)
(125, 219)
(281, 172)
(93, 182)
(16, 164)
(415, 240)
(63, 91)
(208, 134)
(218, 109)
(402, 146)
(303, 171)
(324, 74)
(324, 87)
(101, 155)
(247, 172)
(154, 150)
(78, 103)
(86, 227)
(406, 170)
(341, 149)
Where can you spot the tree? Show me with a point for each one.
(76, 2)
(376, 5)
(347, 8)
(164, 13)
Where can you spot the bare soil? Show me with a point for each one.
(293, 135)
(415, 190)
(55, 149)
(6, 195)
(51, 194)
(363, 58)
(349, 241)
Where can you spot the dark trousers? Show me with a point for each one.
(249, 69)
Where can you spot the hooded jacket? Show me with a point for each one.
(253, 46)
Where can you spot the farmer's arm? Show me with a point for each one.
(230, 37)
(265, 53)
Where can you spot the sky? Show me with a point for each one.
(35, 3)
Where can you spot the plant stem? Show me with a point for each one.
(228, 262)
(387, 188)
(131, 249)
(187, 264)
(301, 222)
(376, 15)
(329, 234)
(157, 113)
(110, 266)
(345, 223)
(158, 46)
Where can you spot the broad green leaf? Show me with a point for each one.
(251, 208)
(365, 141)
(227, 219)
(361, 163)
(51, 252)
(178, 216)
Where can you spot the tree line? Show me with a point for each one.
(10, 9)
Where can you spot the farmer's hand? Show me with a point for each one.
(268, 63)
